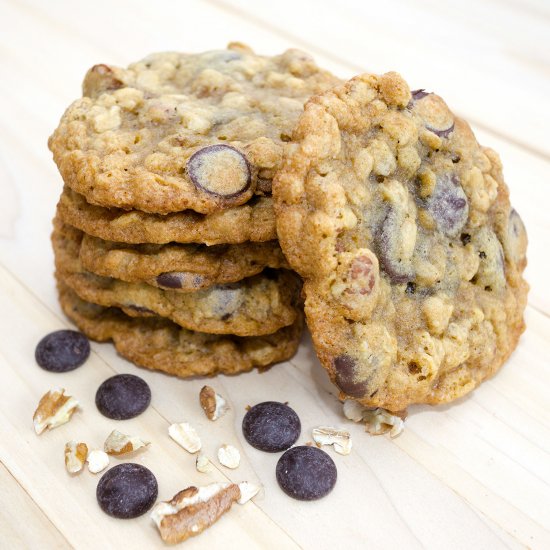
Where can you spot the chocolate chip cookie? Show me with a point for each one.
(184, 267)
(180, 131)
(159, 344)
(401, 225)
(255, 306)
(254, 221)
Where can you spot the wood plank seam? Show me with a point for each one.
(36, 504)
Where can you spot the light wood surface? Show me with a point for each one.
(475, 474)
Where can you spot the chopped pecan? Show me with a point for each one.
(55, 408)
(194, 509)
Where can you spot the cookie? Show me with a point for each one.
(180, 131)
(258, 305)
(159, 344)
(401, 225)
(254, 221)
(184, 267)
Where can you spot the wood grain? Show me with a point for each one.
(475, 474)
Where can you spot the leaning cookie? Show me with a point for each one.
(254, 221)
(255, 306)
(159, 344)
(401, 225)
(184, 267)
(180, 131)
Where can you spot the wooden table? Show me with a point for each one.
(472, 475)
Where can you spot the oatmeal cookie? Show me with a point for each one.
(159, 344)
(180, 131)
(255, 306)
(184, 267)
(254, 221)
(401, 225)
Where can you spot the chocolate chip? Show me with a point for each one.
(306, 473)
(516, 238)
(219, 170)
(445, 133)
(388, 243)
(515, 224)
(62, 351)
(179, 280)
(448, 205)
(419, 94)
(344, 365)
(123, 396)
(169, 280)
(271, 426)
(127, 491)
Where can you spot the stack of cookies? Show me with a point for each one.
(397, 220)
(164, 238)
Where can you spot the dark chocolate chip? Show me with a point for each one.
(344, 365)
(169, 280)
(123, 396)
(306, 473)
(387, 240)
(62, 350)
(180, 279)
(517, 237)
(448, 205)
(419, 94)
(445, 133)
(271, 426)
(127, 491)
(219, 170)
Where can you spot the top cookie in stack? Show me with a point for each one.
(165, 235)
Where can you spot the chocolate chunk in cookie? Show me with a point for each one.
(220, 170)
(178, 131)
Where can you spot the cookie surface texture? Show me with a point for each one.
(401, 225)
(185, 267)
(254, 221)
(180, 131)
(255, 306)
